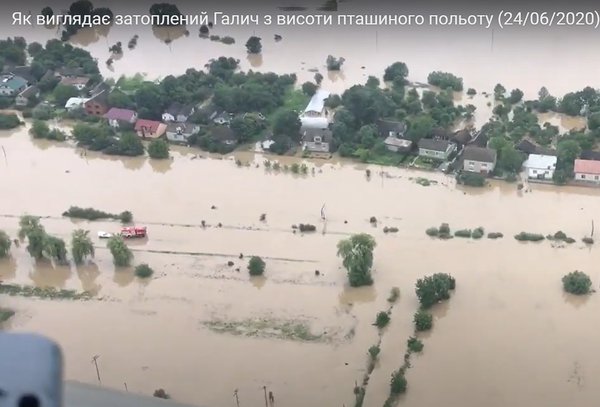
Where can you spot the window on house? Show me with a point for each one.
(582, 176)
(596, 178)
(535, 171)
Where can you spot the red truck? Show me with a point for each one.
(133, 232)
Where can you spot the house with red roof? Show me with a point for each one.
(150, 128)
(117, 117)
(587, 171)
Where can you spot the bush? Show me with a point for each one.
(463, 233)
(471, 179)
(433, 231)
(529, 237)
(42, 112)
(256, 266)
(588, 240)
(143, 271)
(227, 40)
(577, 283)
(374, 352)
(126, 217)
(445, 80)
(306, 227)
(495, 235)
(444, 229)
(158, 149)
(432, 289)
(414, 344)
(95, 214)
(471, 92)
(423, 321)
(478, 233)
(390, 229)
(372, 220)
(561, 236)
(122, 256)
(398, 382)
(382, 319)
(9, 121)
(161, 394)
(394, 295)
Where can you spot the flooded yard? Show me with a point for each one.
(201, 329)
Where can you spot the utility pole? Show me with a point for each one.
(266, 401)
(95, 362)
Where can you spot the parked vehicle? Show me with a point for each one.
(104, 235)
(133, 232)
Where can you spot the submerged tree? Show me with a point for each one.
(357, 255)
(253, 45)
(432, 289)
(256, 266)
(122, 256)
(5, 244)
(577, 282)
(55, 249)
(30, 228)
(81, 245)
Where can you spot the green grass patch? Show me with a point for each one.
(50, 293)
(426, 163)
(292, 330)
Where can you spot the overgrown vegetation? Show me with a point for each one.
(9, 121)
(577, 282)
(43, 292)
(414, 344)
(423, 321)
(529, 237)
(435, 288)
(95, 214)
(394, 295)
(471, 179)
(81, 245)
(561, 236)
(158, 149)
(382, 319)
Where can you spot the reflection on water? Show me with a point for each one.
(169, 34)
(161, 166)
(361, 295)
(8, 269)
(44, 274)
(88, 273)
(255, 60)
(576, 300)
(123, 276)
(258, 281)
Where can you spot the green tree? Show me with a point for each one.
(372, 82)
(594, 121)
(36, 239)
(256, 266)
(47, 11)
(499, 91)
(150, 101)
(510, 159)
(382, 319)
(287, 123)
(577, 282)
(143, 271)
(309, 88)
(122, 255)
(423, 321)
(62, 93)
(81, 245)
(515, 96)
(28, 223)
(571, 104)
(9, 121)
(432, 289)
(567, 151)
(318, 78)
(34, 48)
(253, 45)
(357, 257)
(420, 127)
(158, 149)
(5, 244)
(445, 80)
(55, 249)
(396, 72)
(39, 129)
(398, 382)
(116, 98)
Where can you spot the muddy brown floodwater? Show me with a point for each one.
(508, 336)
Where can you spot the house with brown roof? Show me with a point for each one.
(78, 82)
(117, 117)
(97, 105)
(587, 171)
(481, 160)
(29, 93)
(150, 128)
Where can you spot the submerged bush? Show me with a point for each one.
(382, 319)
(423, 321)
(529, 237)
(256, 266)
(478, 233)
(374, 352)
(398, 382)
(463, 233)
(394, 295)
(495, 235)
(432, 289)
(95, 214)
(561, 236)
(577, 282)
(161, 394)
(390, 229)
(433, 231)
(414, 344)
(588, 240)
(143, 271)
(306, 227)
(471, 179)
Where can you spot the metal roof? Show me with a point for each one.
(539, 161)
(317, 102)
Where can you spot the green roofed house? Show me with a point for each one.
(11, 85)
(436, 149)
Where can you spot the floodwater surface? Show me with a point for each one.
(201, 329)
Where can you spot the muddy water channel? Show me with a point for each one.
(200, 329)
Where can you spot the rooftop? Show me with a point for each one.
(177, 108)
(436, 145)
(75, 102)
(480, 154)
(29, 91)
(541, 161)
(116, 113)
(147, 125)
(13, 82)
(314, 122)
(587, 166)
(387, 126)
(74, 80)
(317, 102)
(183, 127)
(398, 142)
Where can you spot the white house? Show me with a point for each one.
(540, 166)
(587, 171)
(316, 106)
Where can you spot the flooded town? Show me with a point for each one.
(256, 223)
